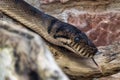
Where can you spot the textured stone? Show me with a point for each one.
(101, 28)
(50, 1)
(56, 7)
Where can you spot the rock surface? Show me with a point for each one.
(101, 28)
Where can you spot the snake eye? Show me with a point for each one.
(76, 39)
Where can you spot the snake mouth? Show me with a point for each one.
(81, 49)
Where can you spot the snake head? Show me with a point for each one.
(75, 40)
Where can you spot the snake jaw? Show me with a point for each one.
(81, 48)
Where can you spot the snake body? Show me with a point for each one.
(51, 29)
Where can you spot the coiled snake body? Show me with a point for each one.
(51, 29)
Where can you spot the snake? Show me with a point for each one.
(51, 29)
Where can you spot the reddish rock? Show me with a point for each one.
(103, 28)
(50, 1)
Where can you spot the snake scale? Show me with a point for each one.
(51, 29)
